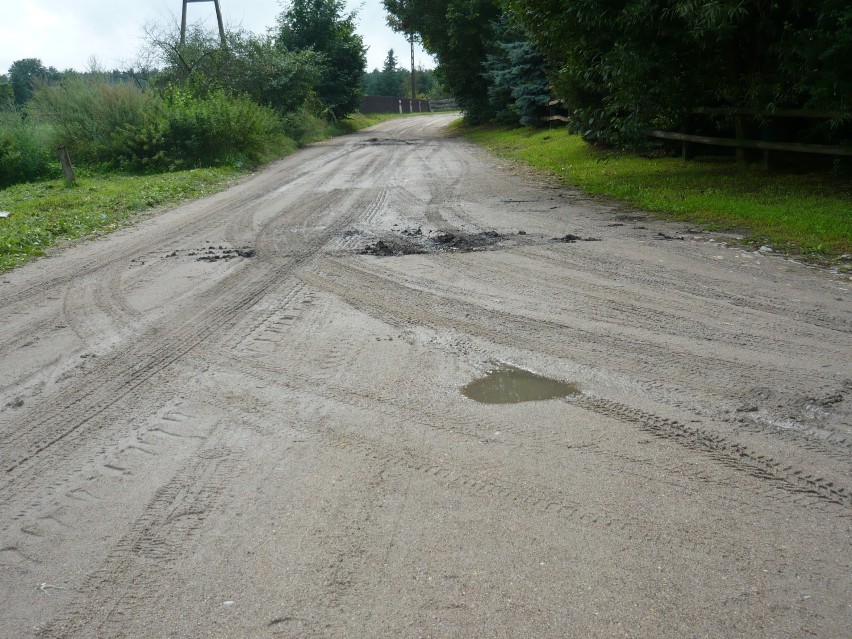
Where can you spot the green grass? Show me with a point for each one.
(44, 213)
(809, 215)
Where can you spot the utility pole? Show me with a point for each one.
(218, 18)
(413, 78)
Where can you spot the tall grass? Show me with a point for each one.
(219, 129)
(119, 126)
(24, 150)
(87, 112)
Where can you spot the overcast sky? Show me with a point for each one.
(67, 33)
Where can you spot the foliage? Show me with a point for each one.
(458, 32)
(24, 155)
(7, 94)
(518, 84)
(805, 213)
(629, 65)
(122, 126)
(192, 132)
(23, 75)
(322, 26)
(429, 87)
(87, 112)
(251, 65)
(818, 62)
(392, 79)
(306, 126)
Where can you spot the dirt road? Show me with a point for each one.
(244, 418)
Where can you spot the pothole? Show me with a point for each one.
(510, 385)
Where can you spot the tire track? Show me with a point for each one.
(703, 372)
(710, 287)
(430, 310)
(584, 299)
(538, 498)
(206, 215)
(128, 581)
(724, 450)
(719, 448)
(54, 421)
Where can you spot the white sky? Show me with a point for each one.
(67, 33)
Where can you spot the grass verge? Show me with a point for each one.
(45, 213)
(808, 215)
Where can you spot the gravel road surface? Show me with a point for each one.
(244, 417)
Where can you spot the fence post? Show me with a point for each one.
(767, 130)
(687, 149)
(65, 160)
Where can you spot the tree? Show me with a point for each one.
(391, 80)
(459, 34)
(628, 65)
(7, 94)
(252, 65)
(23, 74)
(322, 26)
(518, 83)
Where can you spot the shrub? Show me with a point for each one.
(121, 126)
(87, 112)
(25, 154)
(220, 129)
(189, 131)
(308, 124)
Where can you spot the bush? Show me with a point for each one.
(25, 154)
(119, 126)
(309, 123)
(219, 129)
(88, 112)
(251, 65)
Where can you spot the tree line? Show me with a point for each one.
(625, 66)
(395, 81)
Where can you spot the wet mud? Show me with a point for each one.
(415, 241)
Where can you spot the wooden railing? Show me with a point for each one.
(766, 144)
(448, 104)
(554, 108)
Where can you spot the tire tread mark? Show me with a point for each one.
(130, 573)
(722, 449)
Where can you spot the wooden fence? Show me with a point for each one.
(768, 144)
(390, 104)
(448, 104)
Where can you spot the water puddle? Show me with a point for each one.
(510, 385)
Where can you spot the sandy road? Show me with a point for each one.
(197, 442)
